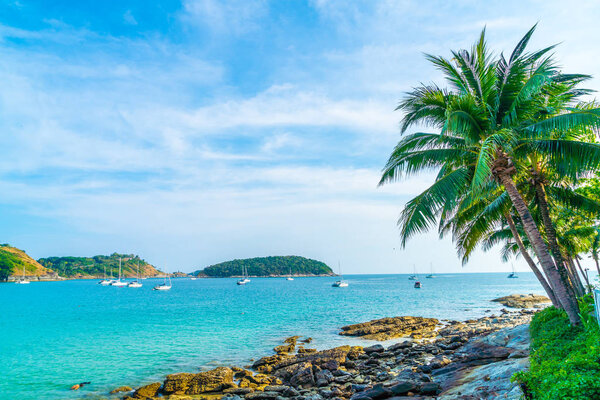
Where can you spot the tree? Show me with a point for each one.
(494, 114)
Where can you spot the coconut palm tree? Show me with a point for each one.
(489, 119)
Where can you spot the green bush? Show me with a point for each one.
(565, 360)
(266, 266)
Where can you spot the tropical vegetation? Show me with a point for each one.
(95, 266)
(564, 359)
(267, 266)
(515, 143)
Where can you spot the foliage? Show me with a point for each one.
(9, 262)
(94, 266)
(268, 266)
(564, 358)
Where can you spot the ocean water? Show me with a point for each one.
(56, 334)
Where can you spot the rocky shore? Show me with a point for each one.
(446, 360)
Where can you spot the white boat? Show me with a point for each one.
(193, 278)
(119, 282)
(413, 277)
(340, 282)
(105, 281)
(244, 279)
(22, 280)
(137, 283)
(164, 286)
(289, 278)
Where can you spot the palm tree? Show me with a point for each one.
(489, 119)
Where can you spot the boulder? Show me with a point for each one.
(389, 328)
(285, 349)
(211, 381)
(121, 389)
(292, 340)
(177, 383)
(522, 300)
(376, 348)
(403, 388)
(150, 390)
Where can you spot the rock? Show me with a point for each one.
(403, 388)
(284, 349)
(302, 350)
(238, 390)
(522, 300)
(121, 389)
(430, 388)
(177, 383)
(377, 392)
(323, 377)
(292, 340)
(291, 392)
(211, 381)
(400, 346)
(262, 396)
(389, 328)
(150, 390)
(376, 348)
(303, 376)
(307, 340)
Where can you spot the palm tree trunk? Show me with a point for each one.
(540, 192)
(597, 265)
(530, 262)
(566, 298)
(577, 285)
(587, 281)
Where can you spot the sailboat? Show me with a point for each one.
(513, 274)
(164, 286)
(340, 282)
(119, 282)
(413, 277)
(105, 281)
(289, 278)
(22, 280)
(430, 272)
(244, 279)
(137, 283)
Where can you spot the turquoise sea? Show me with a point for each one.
(56, 334)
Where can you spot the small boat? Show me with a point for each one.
(119, 282)
(137, 283)
(513, 274)
(340, 282)
(413, 277)
(431, 275)
(163, 286)
(105, 281)
(22, 280)
(289, 278)
(193, 278)
(244, 279)
(417, 285)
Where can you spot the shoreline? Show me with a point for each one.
(42, 278)
(432, 360)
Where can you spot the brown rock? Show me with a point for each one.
(292, 340)
(389, 328)
(284, 349)
(211, 381)
(121, 389)
(522, 300)
(177, 383)
(150, 390)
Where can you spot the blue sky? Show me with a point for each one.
(199, 131)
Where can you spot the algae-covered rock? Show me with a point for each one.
(211, 381)
(522, 300)
(390, 328)
(146, 391)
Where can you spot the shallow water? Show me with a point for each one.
(56, 334)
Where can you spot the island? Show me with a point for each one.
(15, 262)
(94, 267)
(267, 267)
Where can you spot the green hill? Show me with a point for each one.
(85, 267)
(267, 266)
(13, 261)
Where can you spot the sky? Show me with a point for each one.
(197, 131)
